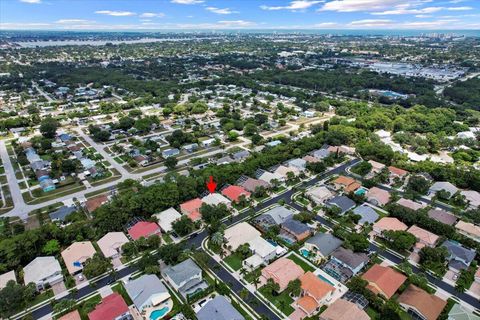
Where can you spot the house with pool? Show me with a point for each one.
(150, 297)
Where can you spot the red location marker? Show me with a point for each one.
(211, 185)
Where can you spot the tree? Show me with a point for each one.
(64, 305)
(183, 226)
(295, 287)
(48, 127)
(418, 184)
(171, 163)
(148, 263)
(363, 168)
(400, 240)
(169, 253)
(433, 259)
(244, 294)
(96, 266)
(271, 287)
(358, 242)
(52, 247)
(232, 135)
(14, 297)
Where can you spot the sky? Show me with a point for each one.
(118, 15)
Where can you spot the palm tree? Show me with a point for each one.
(243, 294)
(217, 238)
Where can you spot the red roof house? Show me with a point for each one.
(191, 209)
(111, 307)
(235, 192)
(144, 229)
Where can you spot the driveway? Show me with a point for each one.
(59, 288)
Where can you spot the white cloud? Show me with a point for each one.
(326, 25)
(459, 8)
(428, 24)
(294, 5)
(187, 1)
(423, 16)
(152, 15)
(409, 11)
(371, 23)
(220, 10)
(456, 1)
(31, 1)
(236, 23)
(116, 13)
(360, 5)
(23, 26)
(69, 21)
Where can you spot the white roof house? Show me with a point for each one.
(239, 234)
(443, 185)
(6, 277)
(473, 197)
(214, 199)
(269, 176)
(319, 194)
(43, 271)
(166, 218)
(261, 247)
(111, 244)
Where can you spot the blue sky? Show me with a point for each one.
(239, 14)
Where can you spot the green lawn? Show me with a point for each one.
(118, 160)
(282, 301)
(120, 289)
(305, 266)
(234, 261)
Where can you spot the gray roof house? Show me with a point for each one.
(460, 257)
(323, 244)
(185, 277)
(342, 202)
(298, 163)
(219, 308)
(170, 152)
(442, 216)
(273, 217)
(147, 291)
(61, 213)
(43, 272)
(345, 263)
(240, 155)
(367, 214)
(321, 153)
(442, 185)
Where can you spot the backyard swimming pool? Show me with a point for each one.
(158, 314)
(305, 253)
(325, 279)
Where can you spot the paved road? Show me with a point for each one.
(12, 179)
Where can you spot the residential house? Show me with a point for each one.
(321, 154)
(396, 174)
(293, 231)
(342, 202)
(263, 252)
(284, 171)
(6, 277)
(341, 150)
(377, 167)
(310, 159)
(112, 307)
(412, 205)
(207, 143)
(62, 213)
(366, 213)
(166, 219)
(273, 143)
(468, 229)
(74, 315)
(240, 155)
(445, 186)
(191, 209)
(323, 244)
(383, 280)
(273, 217)
(185, 277)
(239, 234)
(43, 272)
(472, 197)
(219, 308)
(144, 229)
(234, 193)
(170, 153)
(281, 271)
(425, 238)
(215, 199)
(190, 147)
(459, 257)
(251, 184)
(225, 160)
(343, 182)
(319, 194)
(315, 293)
(442, 216)
(377, 196)
(460, 312)
(47, 185)
(297, 163)
(111, 244)
(343, 310)
(421, 305)
(76, 254)
(270, 177)
(345, 263)
(141, 160)
(148, 294)
(388, 223)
